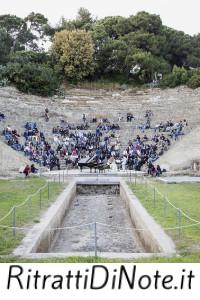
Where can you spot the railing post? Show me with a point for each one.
(40, 198)
(165, 209)
(95, 239)
(146, 184)
(48, 190)
(14, 221)
(154, 197)
(145, 189)
(30, 208)
(179, 223)
(59, 177)
(63, 175)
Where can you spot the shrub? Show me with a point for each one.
(3, 77)
(38, 79)
(194, 81)
(178, 77)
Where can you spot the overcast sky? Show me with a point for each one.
(179, 14)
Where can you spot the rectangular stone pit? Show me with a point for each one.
(100, 216)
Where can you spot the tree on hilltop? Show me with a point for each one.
(72, 53)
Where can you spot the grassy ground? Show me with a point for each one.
(183, 196)
(14, 193)
(187, 258)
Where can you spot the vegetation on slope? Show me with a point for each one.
(136, 50)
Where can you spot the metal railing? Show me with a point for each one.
(17, 221)
(170, 216)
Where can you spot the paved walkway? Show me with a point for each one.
(180, 179)
(86, 172)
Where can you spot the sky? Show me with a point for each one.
(179, 14)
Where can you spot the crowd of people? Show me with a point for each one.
(76, 144)
(38, 149)
(34, 145)
(145, 150)
(68, 144)
(174, 129)
(12, 138)
(72, 142)
(65, 127)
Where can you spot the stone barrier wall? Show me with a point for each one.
(153, 237)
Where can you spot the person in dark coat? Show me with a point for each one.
(27, 170)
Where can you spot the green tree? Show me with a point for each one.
(17, 29)
(148, 65)
(146, 22)
(26, 33)
(110, 49)
(179, 76)
(37, 25)
(72, 54)
(193, 57)
(112, 26)
(38, 79)
(178, 46)
(37, 22)
(65, 24)
(24, 57)
(3, 76)
(83, 20)
(31, 72)
(5, 45)
(145, 41)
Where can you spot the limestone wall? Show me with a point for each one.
(153, 237)
(40, 237)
